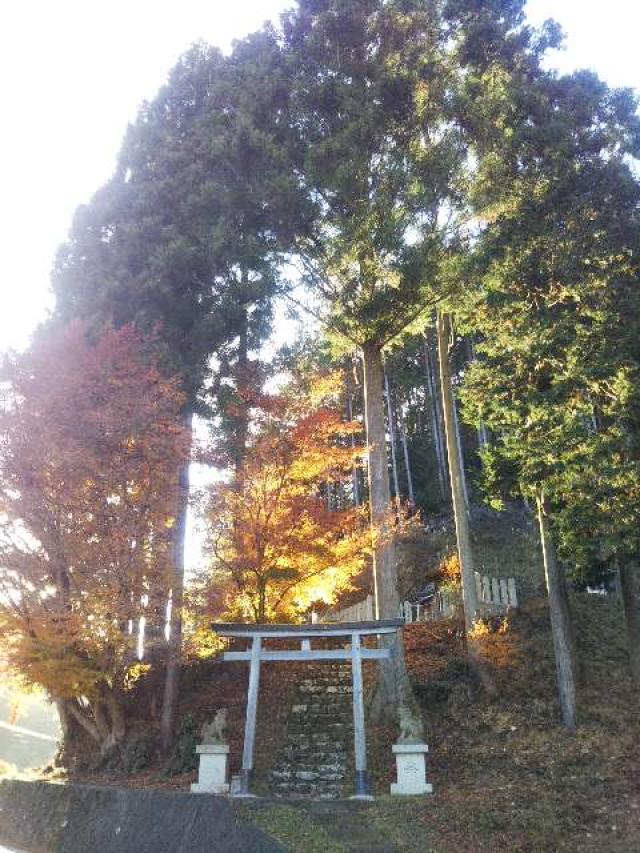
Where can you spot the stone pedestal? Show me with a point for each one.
(212, 773)
(411, 766)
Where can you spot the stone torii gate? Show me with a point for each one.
(352, 632)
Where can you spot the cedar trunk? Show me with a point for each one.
(354, 470)
(561, 625)
(394, 690)
(436, 415)
(627, 573)
(407, 463)
(463, 535)
(391, 420)
(172, 675)
(241, 419)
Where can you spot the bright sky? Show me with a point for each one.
(73, 72)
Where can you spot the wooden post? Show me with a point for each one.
(250, 723)
(513, 596)
(370, 609)
(486, 590)
(361, 782)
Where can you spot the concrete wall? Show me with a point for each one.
(47, 818)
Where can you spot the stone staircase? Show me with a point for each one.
(315, 758)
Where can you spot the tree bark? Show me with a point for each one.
(392, 439)
(89, 725)
(102, 719)
(407, 464)
(63, 714)
(117, 717)
(172, 675)
(561, 626)
(458, 437)
(394, 689)
(355, 482)
(481, 430)
(436, 416)
(463, 535)
(241, 418)
(627, 573)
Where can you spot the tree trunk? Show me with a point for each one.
(154, 641)
(102, 719)
(436, 416)
(407, 464)
(117, 717)
(172, 676)
(89, 725)
(394, 689)
(262, 601)
(561, 626)
(463, 536)
(481, 430)
(241, 418)
(63, 714)
(627, 573)
(392, 439)
(458, 436)
(355, 483)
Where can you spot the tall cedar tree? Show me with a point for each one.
(90, 438)
(368, 86)
(384, 127)
(557, 308)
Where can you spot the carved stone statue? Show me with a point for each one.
(410, 727)
(213, 732)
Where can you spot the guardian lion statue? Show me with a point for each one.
(213, 732)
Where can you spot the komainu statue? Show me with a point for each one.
(213, 732)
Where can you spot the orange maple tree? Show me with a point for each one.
(278, 544)
(89, 437)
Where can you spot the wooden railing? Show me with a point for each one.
(361, 611)
(495, 596)
(441, 606)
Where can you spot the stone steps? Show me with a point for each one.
(313, 760)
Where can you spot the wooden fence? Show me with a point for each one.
(441, 606)
(361, 611)
(495, 596)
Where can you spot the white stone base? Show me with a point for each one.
(411, 766)
(212, 773)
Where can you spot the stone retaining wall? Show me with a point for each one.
(48, 818)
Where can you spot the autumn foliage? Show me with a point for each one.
(89, 440)
(280, 537)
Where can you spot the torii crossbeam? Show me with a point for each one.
(356, 653)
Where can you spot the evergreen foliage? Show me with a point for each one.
(378, 162)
